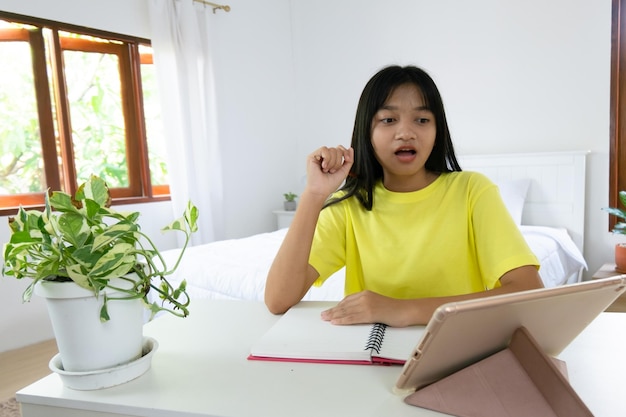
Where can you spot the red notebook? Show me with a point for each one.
(300, 335)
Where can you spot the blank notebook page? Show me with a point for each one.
(302, 334)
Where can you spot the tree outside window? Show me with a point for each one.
(76, 102)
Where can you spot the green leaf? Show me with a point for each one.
(47, 209)
(28, 293)
(620, 228)
(120, 231)
(92, 211)
(120, 270)
(79, 276)
(129, 217)
(17, 223)
(132, 217)
(49, 267)
(22, 237)
(190, 217)
(616, 212)
(120, 256)
(25, 220)
(178, 224)
(22, 216)
(104, 312)
(154, 308)
(74, 228)
(96, 189)
(62, 202)
(85, 256)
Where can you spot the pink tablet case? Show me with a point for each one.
(518, 381)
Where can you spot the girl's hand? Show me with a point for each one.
(327, 168)
(369, 307)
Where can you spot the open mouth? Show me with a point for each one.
(405, 152)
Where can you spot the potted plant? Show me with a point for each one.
(619, 228)
(81, 254)
(290, 201)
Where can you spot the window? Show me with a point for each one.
(76, 102)
(617, 163)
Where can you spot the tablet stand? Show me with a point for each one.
(520, 380)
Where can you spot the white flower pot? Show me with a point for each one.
(85, 343)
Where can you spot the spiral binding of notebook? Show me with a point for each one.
(375, 339)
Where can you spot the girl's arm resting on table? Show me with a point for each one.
(370, 307)
(290, 275)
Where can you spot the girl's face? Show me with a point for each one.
(403, 136)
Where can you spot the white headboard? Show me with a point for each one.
(556, 196)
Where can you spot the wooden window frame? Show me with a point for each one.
(617, 148)
(63, 177)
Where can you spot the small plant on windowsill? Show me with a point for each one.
(290, 201)
(80, 248)
(619, 228)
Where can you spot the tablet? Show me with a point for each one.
(462, 333)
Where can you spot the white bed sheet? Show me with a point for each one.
(237, 268)
(560, 259)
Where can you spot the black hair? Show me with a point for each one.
(366, 170)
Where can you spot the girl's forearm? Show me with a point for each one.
(290, 275)
(524, 278)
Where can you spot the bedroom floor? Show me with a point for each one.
(24, 366)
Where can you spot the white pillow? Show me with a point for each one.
(513, 193)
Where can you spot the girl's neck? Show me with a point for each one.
(401, 184)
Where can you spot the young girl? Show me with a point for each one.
(412, 230)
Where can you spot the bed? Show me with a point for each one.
(545, 193)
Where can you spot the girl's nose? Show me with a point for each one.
(405, 131)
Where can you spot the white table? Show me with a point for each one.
(200, 369)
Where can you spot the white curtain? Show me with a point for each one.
(182, 56)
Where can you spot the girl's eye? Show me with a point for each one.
(423, 120)
(386, 120)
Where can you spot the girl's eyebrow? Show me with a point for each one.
(390, 107)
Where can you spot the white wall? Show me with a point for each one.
(256, 113)
(515, 77)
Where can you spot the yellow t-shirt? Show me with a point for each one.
(453, 237)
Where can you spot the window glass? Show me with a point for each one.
(75, 102)
(154, 123)
(97, 118)
(21, 163)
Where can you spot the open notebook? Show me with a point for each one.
(300, 335)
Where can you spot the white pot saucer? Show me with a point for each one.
(109, 377)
